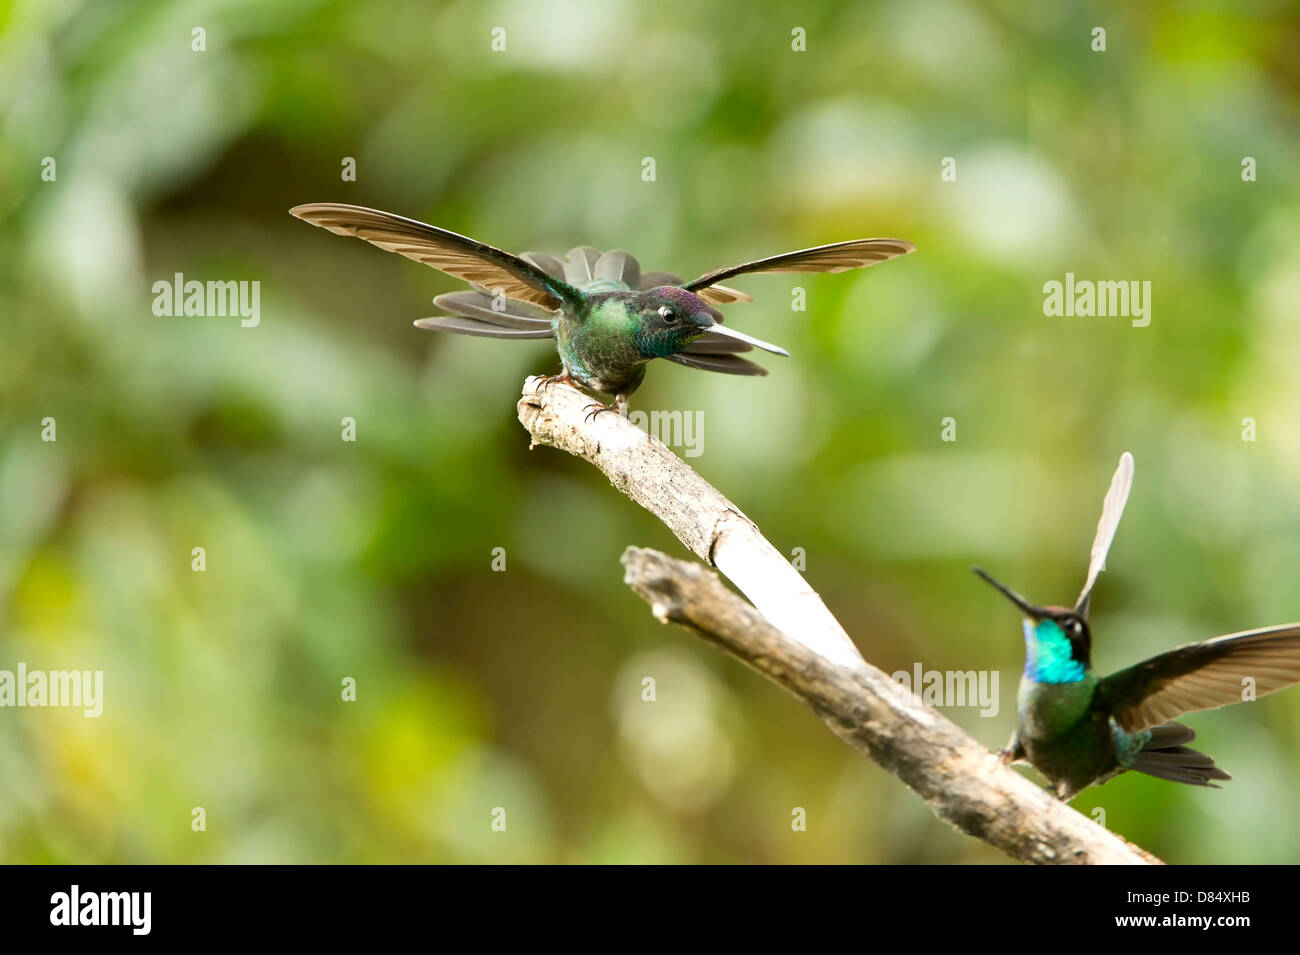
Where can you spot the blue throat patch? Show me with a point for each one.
(1048, 658)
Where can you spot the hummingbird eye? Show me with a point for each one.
(667, 314)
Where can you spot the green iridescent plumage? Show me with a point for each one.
(609, 319)
(1079, 729)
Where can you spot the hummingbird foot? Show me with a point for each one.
(1013, 752)
(1064, 791)
(544, 381)
(619, 407)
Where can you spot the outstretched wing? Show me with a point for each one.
(1112, 509)
(472, 326)
(837, 257)
(722, 295)
(1203, 676)
(457, 255)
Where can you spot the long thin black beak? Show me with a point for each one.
(1038, 613)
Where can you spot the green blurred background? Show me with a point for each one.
(372, 559)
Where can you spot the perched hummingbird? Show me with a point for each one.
(608, 318)
(1079, 729)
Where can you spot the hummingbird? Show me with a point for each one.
(608, 318)
(1079, 729)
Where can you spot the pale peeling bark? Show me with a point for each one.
(713, 528)
(792, 639)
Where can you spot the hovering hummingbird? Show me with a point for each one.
(1079, 729)
(609, 319)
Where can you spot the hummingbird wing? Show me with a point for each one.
(488, 308)
(457, 255)
(1112, 509)
(714, 294)
(727, 364)
(477, 313)
(837, 257)
(1203, 676)
(722, 295)
(472, 326)
(547, 263)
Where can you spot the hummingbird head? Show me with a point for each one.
(670, 318)
(1058, 643)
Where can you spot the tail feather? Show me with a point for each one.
(1170, 734)
(1165, 756)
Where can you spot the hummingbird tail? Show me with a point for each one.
(1166, 756)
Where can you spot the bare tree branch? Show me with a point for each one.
(961, 781)
(712, 527)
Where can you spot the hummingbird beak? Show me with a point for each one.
(1038, 613)
(719, 329)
